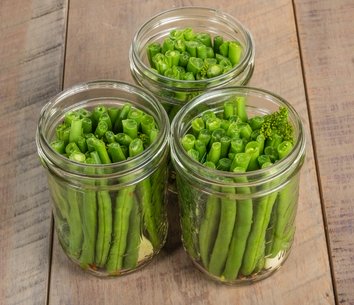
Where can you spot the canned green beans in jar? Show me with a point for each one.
(183, 52)
(104, 145)
(237, 153)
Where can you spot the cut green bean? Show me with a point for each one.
(234, 52)
(130, 128)
(214, 152)
(75, 130)
(188, 141)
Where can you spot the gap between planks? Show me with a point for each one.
(323, 208)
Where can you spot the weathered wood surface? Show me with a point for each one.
(31, 59)
(326, 31)
(32, 37)
(99, 35)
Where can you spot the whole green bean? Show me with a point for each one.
(123, 207)
(241, 230)
(134, 237)
(224, 235)
(209, 228)
(262, 212)
(104, 221)
(74, 222)
(89, 224)
(285, 214)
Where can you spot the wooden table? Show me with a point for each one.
(304, 52)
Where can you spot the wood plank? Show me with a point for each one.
(99, 36)
(326, 31)
(31, 59)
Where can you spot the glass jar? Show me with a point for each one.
(174, 93)
(237, 227)
(110, 219)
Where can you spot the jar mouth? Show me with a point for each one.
(283, 168)
(183, 14)
(114, 93)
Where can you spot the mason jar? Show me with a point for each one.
(237, 227)
(172, 93)
(110, 219)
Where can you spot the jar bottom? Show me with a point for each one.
(263, 274)
(101, 272)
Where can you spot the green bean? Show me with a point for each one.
(188, 141)
(194, 154)
(285, 214)
(214, 152)
(123, 114)
(262, 211)
(109, 137)
(134, 237)
(209, 228)
(153, 49)
(75, 130)
(225, 145)
(113, 113)
(253, 149)
(74, 222)
(241, 231)
(136, 115)
(101, 129)
(224, 164)
(123, 207)
(197, 126)
(201, 148)
(224, 235)
(235, 52)
(104, 221)
(204, 38)
(96, 114)
(214, 70)
(224, 48)
(204, 136)
(81, 143)
(167, 45)
(130, 128)
(106, 118)
(218, 41)
(89, 223)
(195, 65)
(241, 108)
(58, 146)
(86, 125)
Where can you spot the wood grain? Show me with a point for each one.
(99, 36)
(31, 60)
(326, 31)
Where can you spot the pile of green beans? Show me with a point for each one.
(186, 55)
(232, 238)
(110, 231)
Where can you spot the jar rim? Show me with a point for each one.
(292, 162)
(193, 85)
(60, 162)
